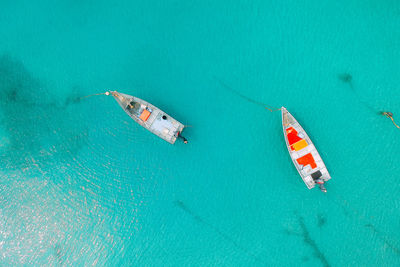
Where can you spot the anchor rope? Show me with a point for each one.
(106, 93)
(347, 78)
(390, 117)
(223, 84)
(272, 110)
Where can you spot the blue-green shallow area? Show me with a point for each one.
(82, 184)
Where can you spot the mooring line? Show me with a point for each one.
(223, 84)
(106, 93)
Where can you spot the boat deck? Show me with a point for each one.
(304, 155)
(150, 117)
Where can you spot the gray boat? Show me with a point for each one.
(150, 117)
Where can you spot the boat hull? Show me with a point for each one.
(302, 151)
(150, 117)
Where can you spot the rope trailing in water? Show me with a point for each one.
(347, 78)
(390, 116)
(83, 97)
(272, 109)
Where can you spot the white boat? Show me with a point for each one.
(150, 117)
(304, 155)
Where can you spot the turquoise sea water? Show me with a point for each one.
(82, 184)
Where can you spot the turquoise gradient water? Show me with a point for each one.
(82, 184)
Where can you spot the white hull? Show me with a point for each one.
(304, 155)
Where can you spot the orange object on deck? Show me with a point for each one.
(292, 136)
(299, 145)
(145, 115)
(307, 159)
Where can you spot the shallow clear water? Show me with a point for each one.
(82, 184)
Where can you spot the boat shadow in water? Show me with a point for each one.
(181, 205)
(305, 235)
(36, 126)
